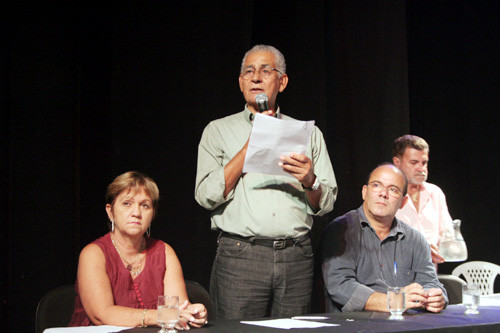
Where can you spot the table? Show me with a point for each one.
(452, 319)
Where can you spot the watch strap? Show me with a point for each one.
(314, 186)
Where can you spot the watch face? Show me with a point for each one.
(316, 184)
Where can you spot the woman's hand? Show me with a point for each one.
(192, 315)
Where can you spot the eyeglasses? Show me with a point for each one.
(264, 72)
(392, 190)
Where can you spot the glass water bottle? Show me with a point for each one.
(452, 246)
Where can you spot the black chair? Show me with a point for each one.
(197, 294)
(55, 308)
(453, 286)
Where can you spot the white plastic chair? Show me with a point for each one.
(480, 272)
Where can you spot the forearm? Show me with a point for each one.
(426, 274)
(321, 202)
(233, 170)
(342, 286)
(376, 302)
(314, 198)
(125, 316)
(209, 185)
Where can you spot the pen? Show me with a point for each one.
(312, 317)
(395, 268)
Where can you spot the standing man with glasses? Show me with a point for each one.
(368, 249)
(426, 209)
(264, 261)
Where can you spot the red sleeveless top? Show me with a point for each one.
(141, 293)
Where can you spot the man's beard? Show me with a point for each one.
(417, 179)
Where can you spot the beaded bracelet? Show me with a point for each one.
(143, 318)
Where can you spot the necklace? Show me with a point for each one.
(416, 193)
(129, 265)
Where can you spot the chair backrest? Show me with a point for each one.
(480, 272)
(453, 286)
(55, 308)
(197, 294)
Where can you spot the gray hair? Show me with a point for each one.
(280, 59)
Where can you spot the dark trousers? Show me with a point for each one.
(254, 281)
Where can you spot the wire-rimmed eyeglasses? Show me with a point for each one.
(264, 72)
(392, 190)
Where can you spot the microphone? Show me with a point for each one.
(261, 100)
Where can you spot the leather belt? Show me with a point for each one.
(277, 244)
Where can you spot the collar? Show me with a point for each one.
(424, 195)
(423, 187)
(250, 116)
(397, 230)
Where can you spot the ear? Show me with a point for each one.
(396, 161)
(109, 210)
(283, 82)
(363, 191)
(403, 202)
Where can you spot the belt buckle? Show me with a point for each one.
(279, 244)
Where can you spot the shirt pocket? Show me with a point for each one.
(403, 277)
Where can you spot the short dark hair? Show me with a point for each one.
(405, 183)
(408, 141)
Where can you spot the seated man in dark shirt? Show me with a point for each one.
(368, 249)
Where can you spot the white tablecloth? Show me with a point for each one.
(87, 329)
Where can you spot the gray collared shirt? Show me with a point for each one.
(356, 263)
(259, 205)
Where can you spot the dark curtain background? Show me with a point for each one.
(90, 92)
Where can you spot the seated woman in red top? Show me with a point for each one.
(121, 274)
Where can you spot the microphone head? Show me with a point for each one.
(261, 100)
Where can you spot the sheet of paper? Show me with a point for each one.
(489, 300)
(87, 329)
(288, 323)
(271, 138)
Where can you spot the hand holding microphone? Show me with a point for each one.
(261, 100)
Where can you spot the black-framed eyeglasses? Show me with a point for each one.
(392, 190)
(264, 72)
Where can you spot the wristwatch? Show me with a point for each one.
(314, 186)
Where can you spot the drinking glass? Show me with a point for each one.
(168, 313)
(471, 294)
(396, 302)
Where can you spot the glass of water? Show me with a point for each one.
(168, 313)
(396, 302)
(470, 297)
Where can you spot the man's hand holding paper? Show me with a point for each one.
(278, 147)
